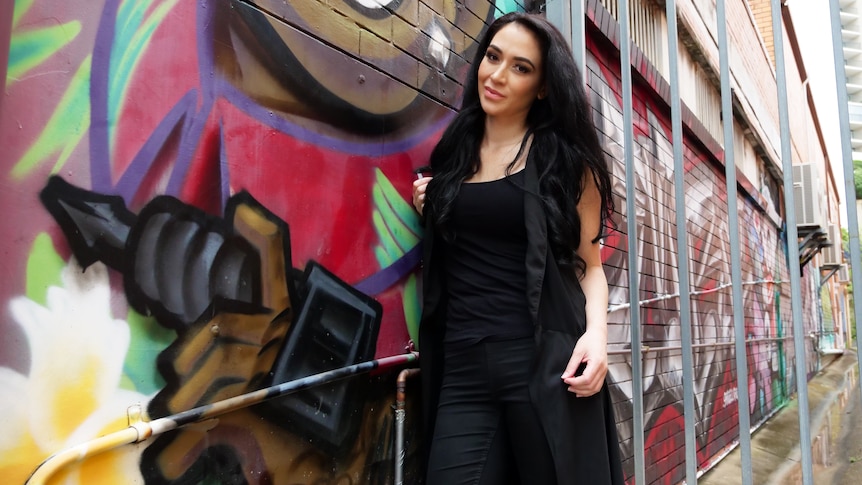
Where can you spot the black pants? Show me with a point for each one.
(487, 432)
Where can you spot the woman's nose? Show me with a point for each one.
(498, 74)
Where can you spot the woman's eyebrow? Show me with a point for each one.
(517, 58)
(526, 61)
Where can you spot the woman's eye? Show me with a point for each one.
(491, 56)
(522, 69)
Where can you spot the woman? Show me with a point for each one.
(513, 336)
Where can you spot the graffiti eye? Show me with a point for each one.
(375, 9)
(439, 45)
(378, 4)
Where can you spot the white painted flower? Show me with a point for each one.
(71, 393)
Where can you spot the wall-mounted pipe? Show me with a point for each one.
(623, 306)
(647, 348)
(142, 430)
(400, 415)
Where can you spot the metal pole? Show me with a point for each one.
(847, 155)
(735, 253)
(682, 246)
(818, 344)
(570, 18)
(400, 417)
(558, 12)
(579, 41)
(143, 430)
(792, 246)
(632, 239)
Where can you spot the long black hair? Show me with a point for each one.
(564, 149)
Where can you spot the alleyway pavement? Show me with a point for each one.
(847, 457)
(836, 433)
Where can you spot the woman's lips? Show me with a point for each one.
(492, 94)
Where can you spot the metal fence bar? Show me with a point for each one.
(632, 238)
(579, 39)
(558, 12)
(792, 245)
(735, 253)
(570, 17)
(847, 156)
(681, 246)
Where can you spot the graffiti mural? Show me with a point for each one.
(206, 198)
(198, 169)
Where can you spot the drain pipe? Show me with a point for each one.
(833, 350)
(400, 414)
(142, 430)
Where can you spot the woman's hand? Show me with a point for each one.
(591, 353)
(419, 187)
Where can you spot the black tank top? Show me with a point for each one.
(485, 263)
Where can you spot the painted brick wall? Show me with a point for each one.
(289, 132)
(766, 290)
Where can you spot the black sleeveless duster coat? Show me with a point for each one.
(581, 431)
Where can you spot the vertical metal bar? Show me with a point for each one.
(792, 246)
(682, 246)
(400, 417)
(847, 156)
(818, 303)
(399, 446)
(579, 41)
(735, 252)
(632, 244)
(558, 13)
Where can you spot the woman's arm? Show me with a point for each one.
(591, 351)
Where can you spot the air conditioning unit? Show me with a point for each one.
(808, 195)
(843, 274)
(833, 255)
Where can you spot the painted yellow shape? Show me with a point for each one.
(21, 7)
(65, 129)
(74, 400)
(30, 49)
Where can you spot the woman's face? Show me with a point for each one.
(510, 74)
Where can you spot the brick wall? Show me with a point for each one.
(766, 291)
(762, 13)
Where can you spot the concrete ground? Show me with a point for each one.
(847, 458)
(836, 434)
